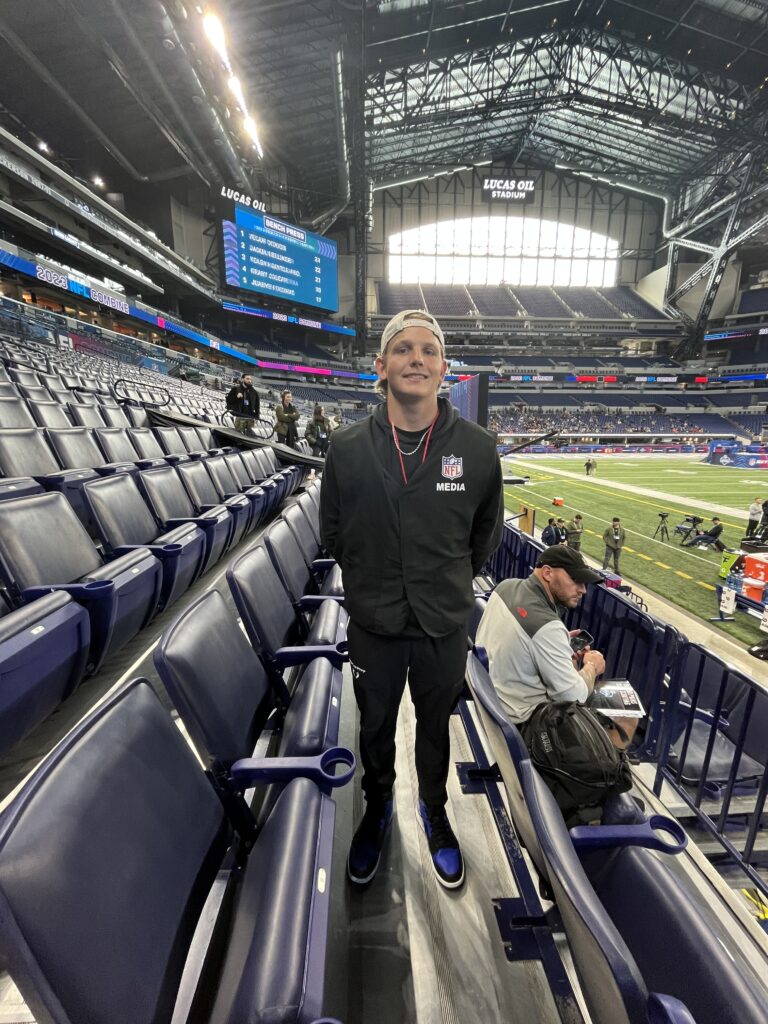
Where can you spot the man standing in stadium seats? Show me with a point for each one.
(573, 531)
(243, 403)
(755, 515)
(613, 538)
(411, 508)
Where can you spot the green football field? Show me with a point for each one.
(672, 484)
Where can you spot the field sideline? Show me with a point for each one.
(686, 577)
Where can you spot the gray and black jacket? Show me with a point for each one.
(528, 649)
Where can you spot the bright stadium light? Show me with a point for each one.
(97, 181)
(237, 91)
(43, 147)
(250, 126)
(215, 32)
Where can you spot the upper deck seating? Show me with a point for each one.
(43, 654)
(126, 800)
(241, 712)
(124, 523)
(44, 547)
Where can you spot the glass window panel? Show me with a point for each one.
(578, 273)
(546, 272)
(394, 270)
(529, 271)
(478, 270)
(444, 270)
(595, 272)
(512, 266)
(495, 270)
(563, 272)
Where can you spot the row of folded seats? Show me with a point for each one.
(618, 888)
(71, 598)
(29, 409)
(138, 888)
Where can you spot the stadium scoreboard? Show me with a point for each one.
(265, 254)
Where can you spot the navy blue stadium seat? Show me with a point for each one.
(123, 798)
(204, 495)
(76, 448)
(248, 471)
(295, 574)
(50, 414)
(115, 443)
(146, 445)
(138, 415)
(325, 571)
(171, 507)
(174, 448)
(28, 466)
(271, 619)
(228, 713)
(228, 485)
(85, 415)
(43, 654)
(113, 415)
(124, 523)
(611, 982)
(15, 413)
(44, 547)
(307, 504)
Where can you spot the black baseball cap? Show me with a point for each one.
(561, 557)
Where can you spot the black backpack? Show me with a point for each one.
(573, 753)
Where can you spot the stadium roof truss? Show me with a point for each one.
(576, 96)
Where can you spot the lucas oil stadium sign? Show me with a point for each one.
(509, 190)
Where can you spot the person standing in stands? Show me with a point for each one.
(243, 403)
(755, 515)
(318, 431)
(613, 538)
(573, 531)
(549, 535)
(411, 507)
(287, 418)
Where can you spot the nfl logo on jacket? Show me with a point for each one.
(452, 470)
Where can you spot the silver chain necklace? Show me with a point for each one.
(421, 442)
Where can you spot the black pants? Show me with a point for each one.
(434, 667)
(752, 525)
(612, 553)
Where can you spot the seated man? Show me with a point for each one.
(528, 646)
(711, 538)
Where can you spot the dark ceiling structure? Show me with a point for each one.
(666, 96)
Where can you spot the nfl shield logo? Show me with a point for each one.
(452, 467)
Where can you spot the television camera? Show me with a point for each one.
(688, 526)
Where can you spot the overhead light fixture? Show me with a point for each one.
(250, 126)
(237, 91)
(215, 32)
(97, 181)
(43, 147)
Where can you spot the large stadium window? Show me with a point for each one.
(511, 250)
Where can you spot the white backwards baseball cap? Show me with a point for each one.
(411, 318)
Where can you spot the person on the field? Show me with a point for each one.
(549, 534)
(755, 515)
(588, 467)
(411, 507)
(562, 533)
(710, 538)
(574, 528)
(613, 538)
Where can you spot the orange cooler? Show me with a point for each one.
(756, 567)
(753, 589)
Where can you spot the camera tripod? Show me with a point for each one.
(661, 530)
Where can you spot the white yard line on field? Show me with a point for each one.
(727, 510)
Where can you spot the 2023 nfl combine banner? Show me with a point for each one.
(265, 254)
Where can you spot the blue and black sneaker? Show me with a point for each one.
(365, 848)
(443, 845)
